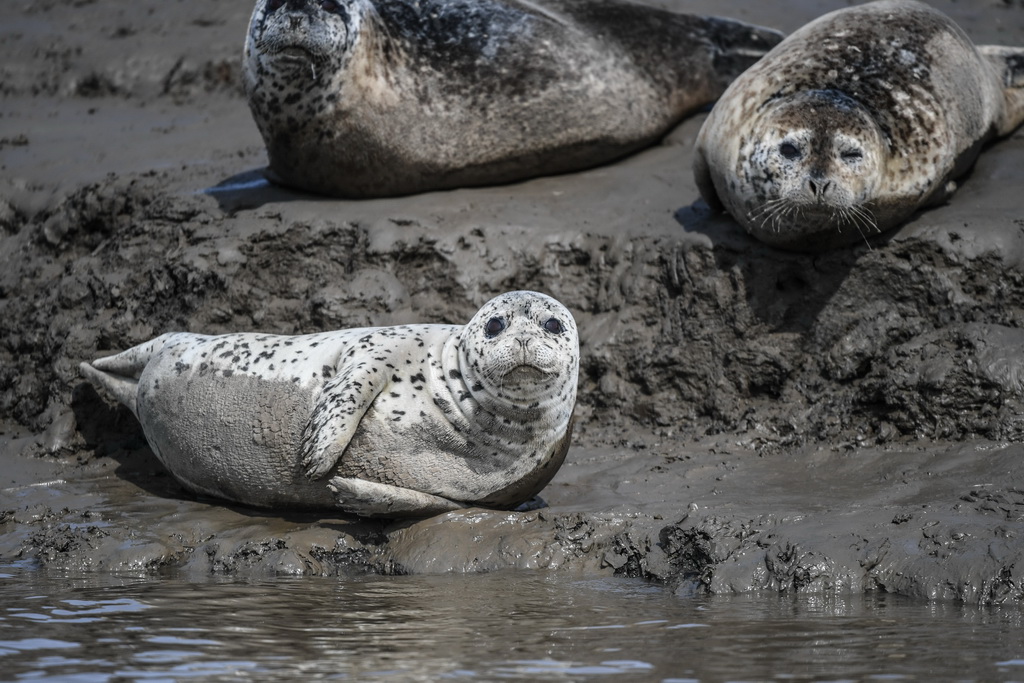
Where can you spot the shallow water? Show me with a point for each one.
(507, 626)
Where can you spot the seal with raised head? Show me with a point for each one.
(386, 421)
(855, 122)
(366, 98)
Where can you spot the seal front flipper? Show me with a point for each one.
(339, 408)
(370, 499)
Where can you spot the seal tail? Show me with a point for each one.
(119, 374)
(124, 389)
(1009, 66)
(737, 46)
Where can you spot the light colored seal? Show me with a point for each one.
(410, 420)
(365, 98)
(855, 122)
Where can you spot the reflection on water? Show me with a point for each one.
(507, 626)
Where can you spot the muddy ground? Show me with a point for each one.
(748, 418)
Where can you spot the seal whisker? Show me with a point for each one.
(761, 210)
(868, 217)
(863, 217)
(768, 214)
(784, 215)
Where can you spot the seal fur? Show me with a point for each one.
(356, 98)
(408, 420)
(855, 122)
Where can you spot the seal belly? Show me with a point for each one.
(230, 435)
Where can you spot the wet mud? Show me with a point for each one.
(748, 418)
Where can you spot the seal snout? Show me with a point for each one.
(526, 361)
(819, 187)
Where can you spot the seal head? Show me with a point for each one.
(295, 34)
(519, 353)
(854, 123)
(811, 162)
(520, 362)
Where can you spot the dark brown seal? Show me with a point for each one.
(359, 99)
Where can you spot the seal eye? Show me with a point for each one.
(274, 5)
(789, 150)
(494, 327)
(330, 7)
(554, 326)
(852, 155)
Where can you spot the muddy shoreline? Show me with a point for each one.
(748, 418)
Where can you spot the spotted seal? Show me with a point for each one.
(366, 98)
(853, 123)
(410, 420)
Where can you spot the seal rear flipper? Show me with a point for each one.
(737, 46)
(124, 389)
(1009, 65)
(131, 363)
(119, 374)
(370, 499)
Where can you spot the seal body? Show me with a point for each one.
(853, 123)
(407, 420)
(362, 98)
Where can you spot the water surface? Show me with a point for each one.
(502, 626)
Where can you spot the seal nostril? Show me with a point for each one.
(818, 187)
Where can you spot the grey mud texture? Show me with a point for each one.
(748, 419)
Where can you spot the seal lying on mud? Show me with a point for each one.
(409, 420)
(364, 98)
(853, 123)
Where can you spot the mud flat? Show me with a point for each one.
(749, 419)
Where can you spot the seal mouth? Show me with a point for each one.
(293, 47)
(818, 209)
(293, 53)
(525, 374)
